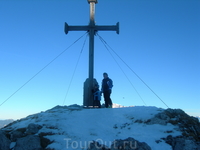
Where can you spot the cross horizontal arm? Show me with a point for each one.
(108, 28)
(96, 28)
(75, 28)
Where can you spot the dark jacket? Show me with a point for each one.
(107, 85)
(97, 93)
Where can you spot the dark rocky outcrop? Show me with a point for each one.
(24, 138)
(33, 128)
(129, 144)
(126, 144)
(14, 135)
(30, 142)
(31, 138)
(182, 143)
(188, 125)
(4, 141)
(97, 146)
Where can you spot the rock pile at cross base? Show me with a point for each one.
(29, 139)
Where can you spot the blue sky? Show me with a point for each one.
(159, 40)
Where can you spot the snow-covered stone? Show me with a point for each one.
(30, 142)
(33, 128)
(73, 127)
(14, 135)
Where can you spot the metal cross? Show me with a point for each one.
(92, 29)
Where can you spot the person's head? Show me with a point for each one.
(105, 75)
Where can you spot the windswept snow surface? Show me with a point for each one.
(74, 127)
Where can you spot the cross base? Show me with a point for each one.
(88, 98)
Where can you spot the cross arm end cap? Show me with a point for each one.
(66, 28)
(117, 25)
(89, 1)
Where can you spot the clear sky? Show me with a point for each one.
(159, 40)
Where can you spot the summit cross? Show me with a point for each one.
(92, 28)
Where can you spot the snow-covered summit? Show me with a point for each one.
(73, 127)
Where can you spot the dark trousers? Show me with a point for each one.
(107, 98)
(97, 103)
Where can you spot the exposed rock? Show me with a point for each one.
(96, 146)
(156, 120)
(33, 128)
(70, 107)
(182, 143)
(126, 144)
(160, 118)
(27, 139)
(4, 141)
(75, 107)
(189, 126)
(44, 142)
(15, 135)
(129, 144)
(30, 142)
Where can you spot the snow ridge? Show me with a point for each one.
(72, 127)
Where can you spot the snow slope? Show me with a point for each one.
(73, 127)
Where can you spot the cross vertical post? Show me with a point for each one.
(91, 29)
(89, 86)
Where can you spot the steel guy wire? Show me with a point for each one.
(75, 69)
(134, 73)
(41, 70)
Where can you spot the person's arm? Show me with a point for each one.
(110, 84)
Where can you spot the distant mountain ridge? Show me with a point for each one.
(3, 123)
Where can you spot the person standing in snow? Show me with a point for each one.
(97, 96)
(106, 89)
